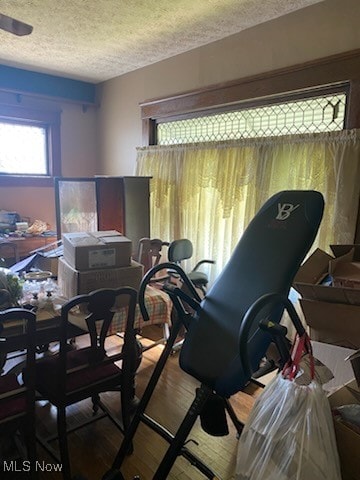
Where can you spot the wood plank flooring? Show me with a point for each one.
(92, 448)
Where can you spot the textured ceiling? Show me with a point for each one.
(95, 40)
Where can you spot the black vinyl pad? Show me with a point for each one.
(265, 260)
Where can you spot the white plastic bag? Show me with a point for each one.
(289, 434)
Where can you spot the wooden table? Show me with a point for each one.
(158, 305)
(157, 302)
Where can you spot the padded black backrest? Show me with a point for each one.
(265, 260)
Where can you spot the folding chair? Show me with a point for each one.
(226, 337)
(182, 249)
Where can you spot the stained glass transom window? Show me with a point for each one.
(313, 115)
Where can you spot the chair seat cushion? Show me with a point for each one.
(10, 407)
(198, 278)
(47, 379)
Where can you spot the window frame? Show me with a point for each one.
(307, 78)
(341, 88)
(312, 78)
(49, 119)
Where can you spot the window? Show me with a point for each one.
(330, 76)
(23, 149)
(30, 146)
(319, 114)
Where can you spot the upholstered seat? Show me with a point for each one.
(75, 375)
(17, 392)
(12, 406)
(79, 377)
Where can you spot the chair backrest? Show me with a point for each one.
(265, 260)
(149, 252)
(98, 309)
(180, 250)
(17, 327)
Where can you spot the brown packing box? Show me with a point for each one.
(354, 359)
(341, 250)
(49, 264)
(74, 282)
(332, 312)
(334, 323)
(94, 250)
(345, 271)
(347, 439)
(313, 271)
(337, 360)
(48, 259)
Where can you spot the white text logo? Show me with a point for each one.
(284, 210)
(25, 466)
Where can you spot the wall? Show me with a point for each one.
(78, 153)
(317, 31)
(105, 142)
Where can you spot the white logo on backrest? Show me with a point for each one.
(285, 210)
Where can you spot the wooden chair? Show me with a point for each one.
(74, 375)
(17, 399)
(150, 252)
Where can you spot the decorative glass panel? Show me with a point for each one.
(75, 206)
(320, 114)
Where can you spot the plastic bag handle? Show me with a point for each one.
(301, 345)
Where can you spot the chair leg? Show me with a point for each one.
(30, 439)
(95, 401)
(63, 443)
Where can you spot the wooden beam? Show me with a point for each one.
(317, 73)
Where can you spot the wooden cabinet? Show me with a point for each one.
(104, 203)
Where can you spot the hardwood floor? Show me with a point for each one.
(92, 448)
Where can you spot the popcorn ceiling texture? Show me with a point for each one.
(95, 40)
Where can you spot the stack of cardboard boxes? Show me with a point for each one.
(97, 260)
(330, 289)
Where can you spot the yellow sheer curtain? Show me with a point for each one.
(209, 192)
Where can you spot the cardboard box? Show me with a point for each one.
(354, 359)
(311, 275)
(48, 259)
(341, 250)
(96, 250)
(74, 282)
(331, 312)
(334, 323)
(347, 439)
(345, 271)
(337, 360)
(47, 263)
